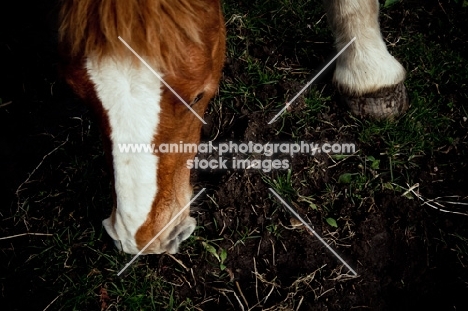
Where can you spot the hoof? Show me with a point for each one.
(387, 103)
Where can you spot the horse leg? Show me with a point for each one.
(370, 79)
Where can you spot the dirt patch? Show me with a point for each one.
(393, 241)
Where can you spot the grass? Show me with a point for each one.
(274, 47)
(282, 184)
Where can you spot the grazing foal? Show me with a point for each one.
(184, 42)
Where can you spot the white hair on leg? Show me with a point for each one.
(366, 66)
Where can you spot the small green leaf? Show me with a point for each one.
(345, 178)
(389, 3)
(210, 249)
(388, 185)
(408, 195)
(308, 200)
(375, 164)
(339, 156)
(332, 222)
(222, 267)
(223, 255)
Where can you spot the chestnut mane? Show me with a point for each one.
(158, 30)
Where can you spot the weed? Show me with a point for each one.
(220, 254)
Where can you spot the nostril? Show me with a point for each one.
(179, 234)
(180, 237)
(184, 234)
(172, 246)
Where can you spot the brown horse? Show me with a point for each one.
(184, 42)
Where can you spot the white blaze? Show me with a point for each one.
(131, 96)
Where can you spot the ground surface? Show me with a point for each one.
(247, 252)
